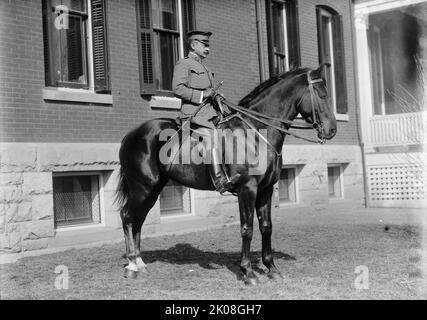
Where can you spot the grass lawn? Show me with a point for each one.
(318, 261)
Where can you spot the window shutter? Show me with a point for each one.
(100, 52)
(48, 68)
(145, 47)
(339, 64)
(293, 34)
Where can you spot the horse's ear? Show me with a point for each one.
(318, 73)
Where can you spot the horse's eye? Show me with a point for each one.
(322, 92)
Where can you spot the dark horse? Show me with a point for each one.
(143, 175)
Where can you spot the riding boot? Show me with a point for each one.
(220, 179)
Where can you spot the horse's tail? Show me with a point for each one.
(122, 191)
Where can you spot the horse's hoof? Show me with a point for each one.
(251, 281)
(130, 274)
(275, 276)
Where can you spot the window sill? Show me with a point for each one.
(173, 103)
(341, 117)
(82, 226)
(76, 95)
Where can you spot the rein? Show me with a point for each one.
(317, 125)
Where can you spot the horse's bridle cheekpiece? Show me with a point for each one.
(317, 122)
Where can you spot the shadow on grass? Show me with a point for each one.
(184, 253)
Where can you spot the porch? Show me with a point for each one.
(403, 129)
(391, 42)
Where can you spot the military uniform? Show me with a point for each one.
(191, 77)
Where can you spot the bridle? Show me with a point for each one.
(317, 123)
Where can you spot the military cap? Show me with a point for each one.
(201, 36)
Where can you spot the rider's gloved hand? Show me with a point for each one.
(208, 93)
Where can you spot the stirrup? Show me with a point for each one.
(228, 184)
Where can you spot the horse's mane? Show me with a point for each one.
(269, 83)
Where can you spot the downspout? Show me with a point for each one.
(259, 40)
(358, 107)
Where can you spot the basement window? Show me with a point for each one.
(175, 199)
(76, 199)
(287, 186)
(335, 181)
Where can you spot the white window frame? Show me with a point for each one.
(331, 52)
(285, 34)
(172, 102)
(377, 54)
(101, 200)
(81, 95)
(341, 181)
(332, 90)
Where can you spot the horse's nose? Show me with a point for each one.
(333, 132)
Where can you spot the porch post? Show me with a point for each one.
(364, 76)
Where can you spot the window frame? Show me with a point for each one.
(150, 83)
(100, 190)
(376, 67)
(91, 85)
(289, 32)
(336, 67)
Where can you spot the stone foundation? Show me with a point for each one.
(26, 198)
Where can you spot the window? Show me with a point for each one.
(76, 199)
(375, 52)
(287, 185)
(283, 36)
(174, 199)
(75, 44)
(335, 182)
(162, 26)
(331, 52)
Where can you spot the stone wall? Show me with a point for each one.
(26, 198)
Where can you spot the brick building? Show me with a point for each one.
(77, 75)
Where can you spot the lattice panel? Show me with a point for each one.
(76, 200)
(175, 199)
(397, 183)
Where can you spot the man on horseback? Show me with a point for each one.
(194, 83)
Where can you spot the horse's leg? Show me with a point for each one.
(263, 210)
(133, 216)
(129, 225)
(247, 196)
(140, 218)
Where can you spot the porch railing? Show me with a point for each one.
(398, 129)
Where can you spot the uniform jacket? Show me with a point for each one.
(190, 78)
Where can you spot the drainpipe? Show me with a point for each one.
(358, 118)
(259, 40)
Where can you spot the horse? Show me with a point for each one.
(271, 106)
